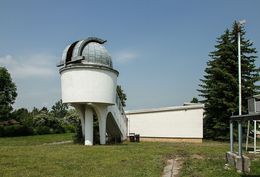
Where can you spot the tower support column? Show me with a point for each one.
(101, 111)
(88, 126)
(102, 126)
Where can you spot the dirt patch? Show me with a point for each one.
(197, 156)
(173, 167)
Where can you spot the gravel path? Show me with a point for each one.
(173, 167)
(60, 142)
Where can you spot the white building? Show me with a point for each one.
(171, 124)
(88, 83)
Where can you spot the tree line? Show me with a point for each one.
(21, 122)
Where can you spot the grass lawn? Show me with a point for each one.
(31, 156)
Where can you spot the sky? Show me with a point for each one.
(160, 48)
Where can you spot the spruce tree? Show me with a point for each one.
(219, 86)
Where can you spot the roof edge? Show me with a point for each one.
(163, 109)
(89, 66)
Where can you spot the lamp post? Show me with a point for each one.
(240, 23)
(239, 65)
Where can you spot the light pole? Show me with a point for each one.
(239, 65)
(240, 23)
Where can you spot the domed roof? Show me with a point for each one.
(89, 51)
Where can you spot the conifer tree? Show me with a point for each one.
(219, 86)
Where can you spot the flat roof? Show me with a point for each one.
(163, 109)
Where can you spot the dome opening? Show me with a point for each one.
(69, 52)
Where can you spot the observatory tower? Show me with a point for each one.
(88, 83)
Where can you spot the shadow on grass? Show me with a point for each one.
(250, 175)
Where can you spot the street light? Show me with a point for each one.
(240, 23)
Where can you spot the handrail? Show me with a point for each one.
(120, 107)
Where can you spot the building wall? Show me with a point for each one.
(186, 122)
(88, 85)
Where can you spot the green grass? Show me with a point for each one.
(35, 140)
(27, 156)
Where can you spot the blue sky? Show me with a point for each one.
(159, 47)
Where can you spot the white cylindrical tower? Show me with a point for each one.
(87, 77)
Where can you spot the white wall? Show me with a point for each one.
(184, 122)
(88, 85)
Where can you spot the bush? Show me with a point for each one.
(79, 138)
(58, 129)
(15, 130)
(1, 130)
(22, 122)
(69, 128)
(41, 130)
(45, 123)
(71, 121)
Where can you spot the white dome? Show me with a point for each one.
(96, 53)
(88, 52)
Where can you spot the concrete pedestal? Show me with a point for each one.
(241, 163)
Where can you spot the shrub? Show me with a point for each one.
(71, 121)
(79, 138)
(15, 130)
(41, 130)
(45, 123)
(1, 130)
(69, 128)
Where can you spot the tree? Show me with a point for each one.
(194, 100)
(72, 117)
(219, 87)
(7, 94)
(44, 109)
(71, 120)
(121, 95)
(45, 123)
(20, 115)
(35, 111)
(59, 109)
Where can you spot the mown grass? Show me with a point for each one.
(27, 156)
(35, 140)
